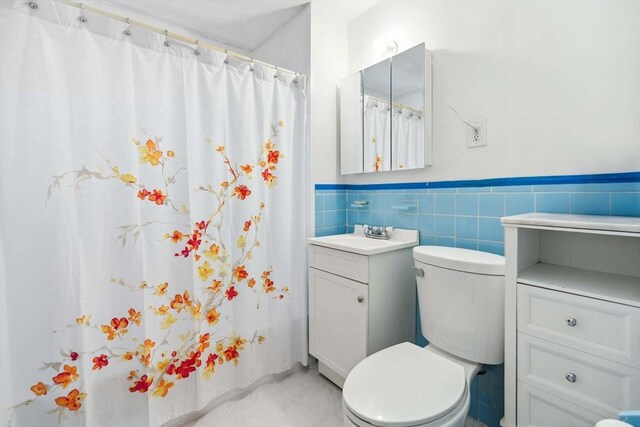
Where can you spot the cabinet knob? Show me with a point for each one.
(360, 299)
(571, 322)
(571, 377)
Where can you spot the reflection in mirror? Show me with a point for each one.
(408, 117)
(377, 117)
(351, 124)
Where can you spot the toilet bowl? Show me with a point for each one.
(408, 386)
(460, 295)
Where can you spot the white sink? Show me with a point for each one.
(359, 244)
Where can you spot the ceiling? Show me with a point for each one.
(239, 24)
(244, 24)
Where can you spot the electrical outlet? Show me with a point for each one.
(477, 137)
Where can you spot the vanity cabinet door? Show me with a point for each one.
(337, 320)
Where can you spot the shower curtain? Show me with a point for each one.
(392, 137)
(151, 246)
(377, 135)
(407, 139)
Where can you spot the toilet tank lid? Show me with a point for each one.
(466, 260)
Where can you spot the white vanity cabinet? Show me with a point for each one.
(358, 304)
(572, 319)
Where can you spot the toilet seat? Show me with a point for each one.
(404, 385)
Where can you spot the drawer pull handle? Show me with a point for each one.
(571, 322)
(360, 299)
(571, 377)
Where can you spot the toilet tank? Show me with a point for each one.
(461, 301)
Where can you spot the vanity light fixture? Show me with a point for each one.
(386, 48)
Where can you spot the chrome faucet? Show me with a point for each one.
(377, 232)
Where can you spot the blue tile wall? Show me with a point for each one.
(331, 212)
(469, 217)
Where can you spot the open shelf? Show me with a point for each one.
(595, 284)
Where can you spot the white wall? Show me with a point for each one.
(289, 47)
(559, 83)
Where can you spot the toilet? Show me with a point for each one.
(461, 302)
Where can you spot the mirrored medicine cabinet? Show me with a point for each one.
(385, 114)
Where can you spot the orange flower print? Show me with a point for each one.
(213, 316)
(117, 327)
(162, 310)
(247, 169)
(65, 378)
(142, 194)
(273, 156)
(213, 252)
(231, 293)
(39, 389)
(269, 178)
(240, 273)
(83, 320)
(146, 346)
(161, 289)
(149, 153)
(195, 310)
(100, 362)
(231, 353)
(180, 301)
(210, 366)
(157, 197)
(247, 225)
(135, 316)
(73, 401)
(189, 365)
(268, 285)
(176, 236)
(216, 285)
(238, 342)
(162, 388)
(241, 192)
(170, 153)
(142, 385)
(251, 283)
(204, 342)
(204, 271)
(195, 241)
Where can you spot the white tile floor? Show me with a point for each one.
(302, 399)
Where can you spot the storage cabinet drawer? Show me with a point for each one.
(602, 328)
(604, 386)
(345, 264)
(540, 409)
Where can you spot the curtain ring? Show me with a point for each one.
(166, 38)
(226, 58)
(197, 50)
(251, 64)
(82, 18)
(276, 76)
(127, 32)
(33, 5)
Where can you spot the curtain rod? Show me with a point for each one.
(175, 36)
(396, 104)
